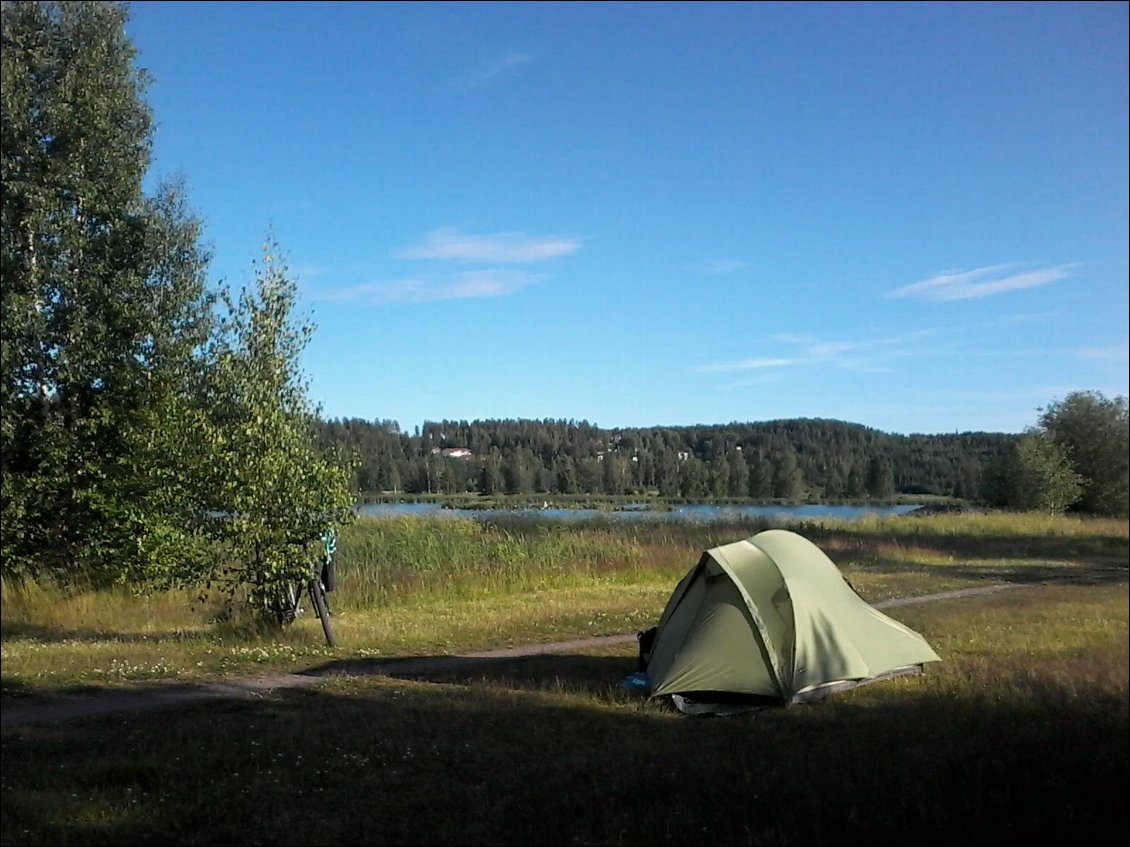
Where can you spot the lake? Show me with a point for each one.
(691, 512)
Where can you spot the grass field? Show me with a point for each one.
(1018, 735)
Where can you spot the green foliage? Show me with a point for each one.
(880, 479)
(276, 492)
(1094, 433)
(1039, 477)
(738, 475)
(104, 307)
(134, 415)
(788, 481)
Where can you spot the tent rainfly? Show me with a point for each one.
(770, 619)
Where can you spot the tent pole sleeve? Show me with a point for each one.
(770, 647)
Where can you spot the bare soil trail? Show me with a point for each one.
(156, 696)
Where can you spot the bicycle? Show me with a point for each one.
(316, 588)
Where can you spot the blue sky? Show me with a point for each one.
(909, 216)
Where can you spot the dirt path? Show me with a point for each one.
(150, 697)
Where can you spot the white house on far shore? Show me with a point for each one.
(454, 452)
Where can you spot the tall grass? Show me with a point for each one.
(388, 561)
(44, 608)
(416, 585)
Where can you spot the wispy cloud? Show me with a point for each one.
(1015, 395)
(723, 266)
(477, 284)
(1113, 353)
(763, 379)
(832, 349)
(815, 349)
(308, 271)
(823, 350)
(980, 282)
(792, 338)
(809, 350)
(509, 247)
(502, 65)
(746, 365)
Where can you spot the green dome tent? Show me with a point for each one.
(771, 620)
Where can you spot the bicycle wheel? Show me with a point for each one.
(322, 607)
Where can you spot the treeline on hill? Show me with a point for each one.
(807, 459)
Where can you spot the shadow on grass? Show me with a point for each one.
(844, 545)
(593, 675)
(1104, 572)
(546, 750)
(242, 628)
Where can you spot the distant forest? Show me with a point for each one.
(801, 459)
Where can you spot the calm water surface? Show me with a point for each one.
(696, 512)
